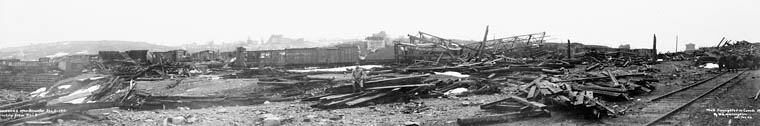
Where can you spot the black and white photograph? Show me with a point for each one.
(379, 63)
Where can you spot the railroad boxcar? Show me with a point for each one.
(343, 55)
(303, 57)
(252, 58)
(271, 58)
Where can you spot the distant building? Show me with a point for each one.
(625, 46)
(170, 56)
(44, 59)
(690, 47)
(205, 55)
(377, 41)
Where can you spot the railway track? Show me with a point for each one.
(659, 109)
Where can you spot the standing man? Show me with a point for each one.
(756, 61)
(358, 74)
(731, 64)
(722, 62)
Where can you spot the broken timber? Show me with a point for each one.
(510, 117)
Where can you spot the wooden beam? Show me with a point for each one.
(612, 77)
(599, 78)
(399, 86)
(584, 87)
(510, 117)
(365, 99)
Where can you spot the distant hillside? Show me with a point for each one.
(35, 51)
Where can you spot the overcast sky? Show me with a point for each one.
(171, 22)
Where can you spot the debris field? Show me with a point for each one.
(429, 80)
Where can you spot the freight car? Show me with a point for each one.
(331, 56)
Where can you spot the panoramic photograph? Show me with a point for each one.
(379, 63)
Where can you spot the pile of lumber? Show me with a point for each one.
(510, 109)
(569, 94)
(398, 88)
(599, 60)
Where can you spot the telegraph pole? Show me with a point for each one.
(569, 54)
(654, 48)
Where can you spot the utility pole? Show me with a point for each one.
(569, 54)
(676, 43)
(654, 48)
(485, 37)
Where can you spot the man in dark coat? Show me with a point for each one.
(748, 59)
(756, 62)
(732, 63)
(722, 63)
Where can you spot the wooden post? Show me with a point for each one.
(614, 80)
(569, 51)
(482, 44)
(530, 53)
(654, 48)
(721, 41)
(395, 52)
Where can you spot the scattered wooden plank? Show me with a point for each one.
(501, 118)
(361, 94)
(608, 89)
(507, 107)
(491, 104)
(549, 85)
(612, 77)
(606, 93)
(365, 99)
(277, 83)
(526, 102)
(563, 98)
(532, 92)
(592, 67)
(579, 98)
(374, 83)
(336, 96)
(600, 78)
(399, 86)
(512, 68)
(545, 91)
(549, 71)
(645, 89)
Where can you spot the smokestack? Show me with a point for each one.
(676, 43)
(569, 54)
(654, 48)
